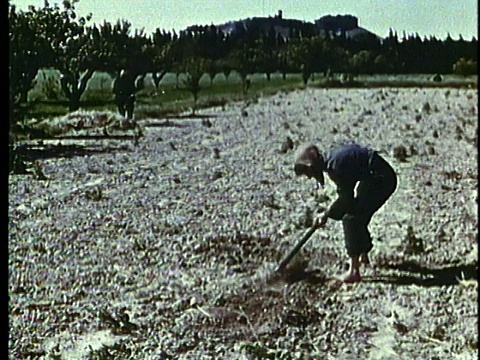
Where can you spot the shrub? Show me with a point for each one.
(51, 87)
(465, 67)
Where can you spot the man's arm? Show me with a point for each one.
(344, 201)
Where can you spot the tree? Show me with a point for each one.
(212, 69)
(225, 68)
(381, 65)
(266, 56)
(103, 48)
(195, 68)
(139, 56)
(178, 68)
(28, 53)
(362, 63)
(161, 56)
(242, 60)
(180, 50)
(283, 61)
(337, 60)
(69, 45)
(161, 64)
(308, 55)
(465, 67)
(112, 48)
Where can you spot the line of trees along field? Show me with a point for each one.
(55, 37)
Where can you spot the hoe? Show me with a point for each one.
(283, 264)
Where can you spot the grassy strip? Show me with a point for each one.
(169, 100)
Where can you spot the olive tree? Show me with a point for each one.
(311, 54)
(266, 55)
(363, 62)
(28, 53)
(243, 60)
(161, 56)
(465, 67)
(194, 68)
(68, 43)
(302, 57)
(225, 68)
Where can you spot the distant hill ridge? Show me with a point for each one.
(333, 25)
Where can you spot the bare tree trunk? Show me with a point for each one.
(140, 82)
(305, 76)
(74, 85)
(157, 77)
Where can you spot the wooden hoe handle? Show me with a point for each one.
(283, 264)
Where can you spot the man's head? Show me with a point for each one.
(309, 162)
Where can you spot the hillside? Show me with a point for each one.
(333, 25)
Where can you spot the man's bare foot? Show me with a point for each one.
(350, 277)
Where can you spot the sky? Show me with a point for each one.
(425, 17)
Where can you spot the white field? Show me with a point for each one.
(180, 237)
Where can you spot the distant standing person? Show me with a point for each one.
(346, 166)
(124, 90)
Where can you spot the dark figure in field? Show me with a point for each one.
(124, 90)
(437, 78)
(346, 166)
